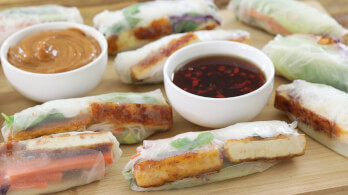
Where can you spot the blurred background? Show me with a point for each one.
(337, 8)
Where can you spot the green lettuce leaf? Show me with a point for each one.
(187, 26)
(54, 116)
(186, 144)
(129, 13)
(8, 119)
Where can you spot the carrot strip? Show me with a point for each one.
(20, 186)
(134, 156)
(271, 22)
(77, 162)
(47, 177)
(108, 157)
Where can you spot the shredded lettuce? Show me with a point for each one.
(186, 144)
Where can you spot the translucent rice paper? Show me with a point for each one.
(287, 17)
(198, 142)
(14, 19)
(145, 65)
(302, 57)
(131, 117)
(39, 166)
(142, 23)
(327, 102)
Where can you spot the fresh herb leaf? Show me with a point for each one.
(186, 144)
(193, 14)
(129, 13)
(181, 142)
(186, 26)
(54, 116)
(116, 28)
(213, 7)
(8, 119)
(256, 135)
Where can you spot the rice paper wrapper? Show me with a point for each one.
(300, 56)
(184, 15)
(330, 126)
(15, 19)
(286, 17)
(229, 171)
(204, 142)
(145, 65)
(131, 117)
(33, 167)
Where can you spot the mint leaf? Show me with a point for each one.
(8, 119)
(129, 13)
(186, 144)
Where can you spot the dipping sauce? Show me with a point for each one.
(219, 77)
(54, 51)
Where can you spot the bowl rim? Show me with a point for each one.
(169, 81)
(55, 26)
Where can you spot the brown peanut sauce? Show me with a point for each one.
(54, 51)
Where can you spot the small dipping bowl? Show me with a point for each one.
(44, 87)
(218, 112)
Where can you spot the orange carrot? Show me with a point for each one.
(108, 157)
(134, 156)
(46, 177)
(20, 186)
(76, 162)
(271, 22)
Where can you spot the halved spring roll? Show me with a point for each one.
(286, 17)
(142, 23)
(14, 19)
(320, 110)
(145, 65)
(131, 117)
(317, 59)
(197, 158)
(56, 162)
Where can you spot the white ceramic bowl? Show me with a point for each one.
(218, 112)
(43, 87)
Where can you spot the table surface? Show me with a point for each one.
(319, 171)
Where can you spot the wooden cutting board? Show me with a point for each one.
(319, 171)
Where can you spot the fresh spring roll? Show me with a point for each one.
(141, 23)
(197, 158)
(316, 59)
(286, 17)
(321, 112)
(131, 117)
(56, 162)
(145, 65)
(14, 19)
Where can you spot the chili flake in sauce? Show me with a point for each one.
(219, 77)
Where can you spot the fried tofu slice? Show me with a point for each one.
(150, 173)
(53, 127)
(157, 117)
(257, 148)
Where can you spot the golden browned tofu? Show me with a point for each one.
(150, 173)
(53, 127)
(144, 67)
(256, 148)
(158, 117)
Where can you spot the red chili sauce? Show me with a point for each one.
(219, 76)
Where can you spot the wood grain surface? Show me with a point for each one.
(319, 171)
